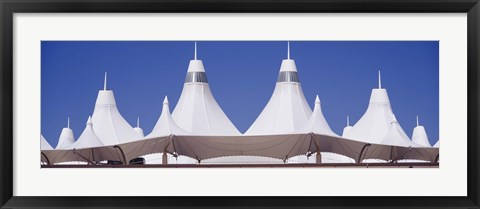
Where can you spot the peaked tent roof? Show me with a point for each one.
(110, 126)
(138, 129)
(419, 136)
(197, 111)
(376, 122)
(396, 136)
(88, 138)
(317, 123)
(66, 137)
(165, 125)
(287, 110)
(347, 128)
(44, 145)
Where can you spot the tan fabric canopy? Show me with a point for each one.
(275, 146)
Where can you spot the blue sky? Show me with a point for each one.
(242, 76)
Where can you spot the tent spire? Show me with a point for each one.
(195, 54)
(348, 120)
(165, 101)
(417, 120)
(288, 49)
(379, 80)
(138, 122)
(68, 122)
(105, 82)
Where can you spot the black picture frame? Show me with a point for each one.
(9, 7)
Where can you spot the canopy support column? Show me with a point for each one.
(436, 158)
(164, 158)
(46, 158)
(164, 155)
(364, 149)
(121, 152)
(318, 158)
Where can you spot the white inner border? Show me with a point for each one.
(448, 180)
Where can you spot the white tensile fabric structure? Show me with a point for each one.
(378, 125)
(66, 138)
(347, 128)
(138, 129)
(165, 125)
(200, 132)
(396, 136)
(317, 122)
(110, 126)
(44, 145)
(87, 148)
(419, 136)
(88, 138)
(287, 110)
(197, 111)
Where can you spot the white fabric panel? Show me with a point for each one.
(139, 131)
(375, 124)
(286, 111)
(419, 136)
(198, 112)
(66, 138)
(109, 125)
(165, 125)
(346, 130)
(87, 139)
(397, 137)
(44, 145)
(317, 122)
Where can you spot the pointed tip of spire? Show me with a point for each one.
(195, 53)
(68, 122)
(348, 120)
(165, 101)
(288, 49)
(105, 82)
(417, 121)
(317, 100)
(379, 80)
(89, 121)
(138, 122)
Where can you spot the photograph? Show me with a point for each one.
(239, 104)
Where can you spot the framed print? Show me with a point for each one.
(264, 104)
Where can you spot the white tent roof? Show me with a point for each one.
(396, 136)
(110, 126)
(138, 129)
(419, 136)
(287, 110)
(317, 123)
(88, 138)
(66, 138)
(347, 128)
(197, 111)
(377, 121)
(44, 145)
(165, 125)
